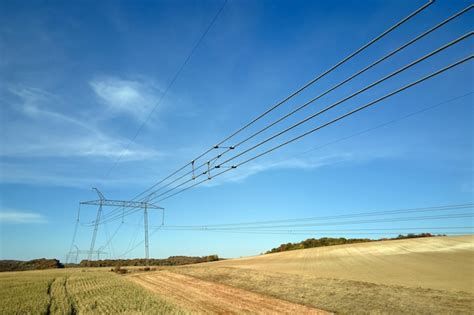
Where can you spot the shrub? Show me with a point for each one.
(118, 269)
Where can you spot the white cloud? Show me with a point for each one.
(298, 162)
(19, 217)
(36, 174)
(242, 173)
(135, 97)
(44, 132)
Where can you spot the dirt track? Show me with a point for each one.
(200, 296)
(412, 276)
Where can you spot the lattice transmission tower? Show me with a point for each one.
(102, 201)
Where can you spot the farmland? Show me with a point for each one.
(413, 276)
(236, 157)
(199, 296)
(437, 263)
(410, 276)
(74, 291)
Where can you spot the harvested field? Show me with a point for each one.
(73, 291)
(413, 276)
(198, 296)
(444, 263)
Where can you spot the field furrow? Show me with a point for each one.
(72, 291)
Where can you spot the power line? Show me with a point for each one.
(387, 123)
(109, 215)
(332, 217)
(365, 69)
(393, 121)
(353, 94)
(379, 230)
(329, 70)
(138, 244)
(321, 126)
(233, 147)
(173, 80)
(74, 234)
(270, 227)
(337, 233)
(364, 131)
(163, 95)
(308, 232)
(109, 240)
(317, 78)
(334, 120)
(413, 63)
(357, 230)
(133, 238)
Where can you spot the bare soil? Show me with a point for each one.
(199, 296)
(339, 296)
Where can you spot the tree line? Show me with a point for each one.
(170, 261)
(330, 241)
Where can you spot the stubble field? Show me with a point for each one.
(73, 291)
(413, 276)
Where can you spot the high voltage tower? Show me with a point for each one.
(101, 202)
(229, 154)
(73, 255)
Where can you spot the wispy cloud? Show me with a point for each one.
(298, 163)
(303, 163)
(66, 175)
(45, 132)
(19, 217)
(135, 97)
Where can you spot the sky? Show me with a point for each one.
(86, 102)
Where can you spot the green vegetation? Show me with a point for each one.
(36, 264)
(75, 291)
(43, 263)
(329, 241)
(413, 235)
(170, 261)
(315, 242)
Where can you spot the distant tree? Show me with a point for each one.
(329, 241)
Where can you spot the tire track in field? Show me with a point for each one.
(199, 296)
(72, 302)
(48, 309)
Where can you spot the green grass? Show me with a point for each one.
(73, 291)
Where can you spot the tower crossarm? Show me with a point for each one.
(118, 204)
(121, 203)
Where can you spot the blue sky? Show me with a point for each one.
(79, 78)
